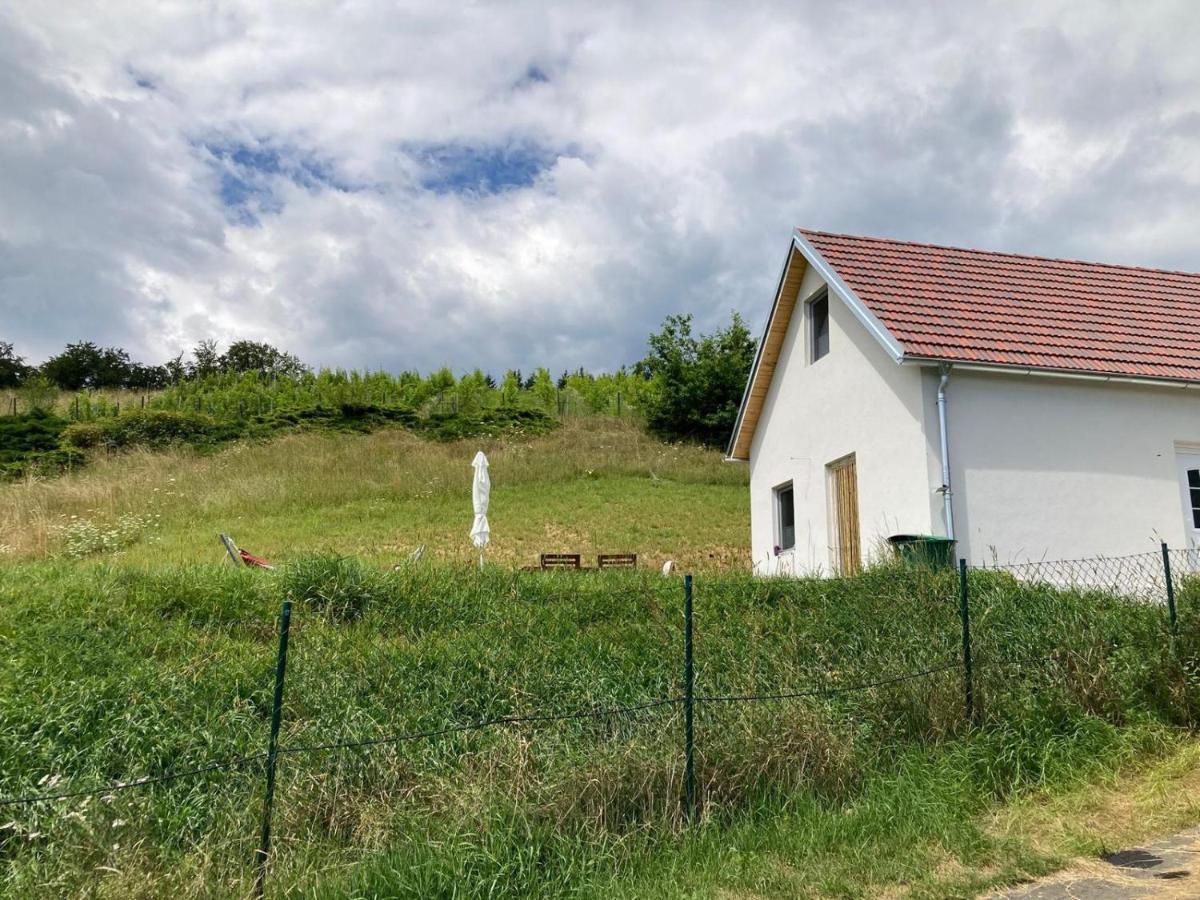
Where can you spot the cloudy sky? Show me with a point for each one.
(372, 183)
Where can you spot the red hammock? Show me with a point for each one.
(256, 561)
(239, 555)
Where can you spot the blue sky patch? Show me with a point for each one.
(142, 79)
(248, 175)
(535, 74)
(485, 169)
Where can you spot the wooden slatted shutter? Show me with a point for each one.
(846, 552)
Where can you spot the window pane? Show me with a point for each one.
(785, 499)
(820, 328)
(1194, 478)
(1196, 518)
(787, 507)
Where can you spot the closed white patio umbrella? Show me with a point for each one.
(481, 492)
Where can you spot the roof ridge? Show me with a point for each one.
(1001, 253)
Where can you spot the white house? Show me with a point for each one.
(1029, 408)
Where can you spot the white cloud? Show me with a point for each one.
(299, 172)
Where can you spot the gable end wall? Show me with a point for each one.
(854, 400)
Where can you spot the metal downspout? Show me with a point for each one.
(946, 493)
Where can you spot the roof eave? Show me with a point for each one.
(758, 352)
(1051, 372)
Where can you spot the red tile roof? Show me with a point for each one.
(1007, 309)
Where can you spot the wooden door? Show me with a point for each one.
(845, 550)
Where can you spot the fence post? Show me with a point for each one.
(264, 845)
(689, 706)
(964, 611)
(1170, 587)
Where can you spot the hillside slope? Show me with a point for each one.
(450, 733)
(594, 485)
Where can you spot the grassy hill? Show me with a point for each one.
(130, 649)
(592, 485)
(114, 673)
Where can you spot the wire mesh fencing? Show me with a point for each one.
(1139, 576)
(674, 700)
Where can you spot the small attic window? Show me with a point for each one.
(818, 327)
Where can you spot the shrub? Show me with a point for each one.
(149, 428)
(34, 432)
(490, 423)
(29, 445)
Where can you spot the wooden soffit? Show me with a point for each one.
(769, 350)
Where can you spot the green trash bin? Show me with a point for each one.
(924, 550)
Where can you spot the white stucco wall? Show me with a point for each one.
(1054, 468)
(853, 400)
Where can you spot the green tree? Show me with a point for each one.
(510, 388)
(39, 393)
(12, 367)
(175, 369)
(253, 356)
(142, 377)
(441, 381)
(84, 365)
(206, 360)
(542, 386)
(471, 390)
(696, 383)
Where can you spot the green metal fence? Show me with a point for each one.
(961, 619)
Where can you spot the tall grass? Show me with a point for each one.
(592, 486)
(117, 672)
(76, 405)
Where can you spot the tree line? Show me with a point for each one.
(688, 386)
(85, 365)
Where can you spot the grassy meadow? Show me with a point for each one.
(593, 485)
(131, 648)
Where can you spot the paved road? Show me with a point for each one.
(1166, 869)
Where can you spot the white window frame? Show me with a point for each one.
(777, 508)
(1187, 456)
